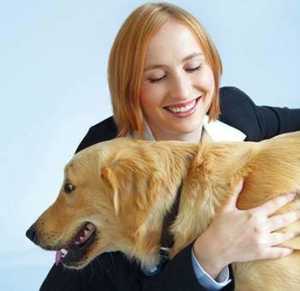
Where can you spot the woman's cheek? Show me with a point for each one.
(152, 93)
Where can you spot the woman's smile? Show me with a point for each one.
(183, 109)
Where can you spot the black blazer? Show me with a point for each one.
(112, 271)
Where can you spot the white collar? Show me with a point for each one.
(217, 130)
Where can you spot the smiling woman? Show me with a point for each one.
(164, 79)
(156, 44)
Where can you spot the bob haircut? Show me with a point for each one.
(127, 61)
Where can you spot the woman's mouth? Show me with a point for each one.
(184, 109)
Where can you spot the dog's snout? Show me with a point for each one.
(31, 233)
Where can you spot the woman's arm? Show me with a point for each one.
(114, 272)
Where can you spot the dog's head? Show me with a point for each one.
(102, 205)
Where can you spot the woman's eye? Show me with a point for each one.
(68, 187)
(154, 80)
(197, 68)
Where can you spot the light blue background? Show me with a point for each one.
(53, 58)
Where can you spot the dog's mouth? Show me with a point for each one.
(75, 251)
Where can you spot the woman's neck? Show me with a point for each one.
(193, 137)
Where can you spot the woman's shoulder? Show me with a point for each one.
(102, 131)
(230, 95)
(238, 110)
(235, 105)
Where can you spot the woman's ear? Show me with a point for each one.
(108, 175)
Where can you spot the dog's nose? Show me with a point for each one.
(31, 233)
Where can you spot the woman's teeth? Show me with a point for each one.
(180, 108)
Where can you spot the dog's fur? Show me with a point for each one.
(125, 187)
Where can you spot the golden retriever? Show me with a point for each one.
(115, 195)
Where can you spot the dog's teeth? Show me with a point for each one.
(85, 234)
(90, 227)
(63, 252)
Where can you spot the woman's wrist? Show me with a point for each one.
(209, 255)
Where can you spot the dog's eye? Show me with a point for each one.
(68, 187)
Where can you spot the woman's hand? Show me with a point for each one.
(244, 235)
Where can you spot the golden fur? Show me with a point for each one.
(125, 187)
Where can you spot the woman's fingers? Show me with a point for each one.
(278, 221)
(249, 235)
(278, 238)
(276, 253)
(273, 205)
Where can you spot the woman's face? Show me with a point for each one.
(178, 84)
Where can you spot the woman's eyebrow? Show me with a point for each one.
(152, 67)
(157, 66)
(191, 56)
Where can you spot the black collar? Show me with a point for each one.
(167, 238)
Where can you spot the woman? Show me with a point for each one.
(164, 76)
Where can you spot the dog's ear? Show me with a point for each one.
(108, 175)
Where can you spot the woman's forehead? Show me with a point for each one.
(174, 41)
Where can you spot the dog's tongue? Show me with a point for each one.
(58, 257)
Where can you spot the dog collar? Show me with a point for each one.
(167, 238)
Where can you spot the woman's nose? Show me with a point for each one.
(181, 86)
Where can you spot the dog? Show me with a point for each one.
(116, 194)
